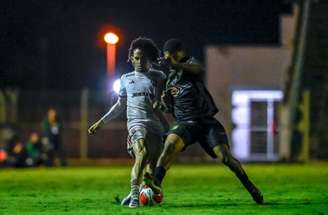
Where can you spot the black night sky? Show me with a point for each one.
(58, 44)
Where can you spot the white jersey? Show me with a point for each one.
(140, 90)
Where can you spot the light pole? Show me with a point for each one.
(111, 39)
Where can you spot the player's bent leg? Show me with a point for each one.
(150, 170)
(140, 153)
(223, 152)
(154, 146)
(173, 145)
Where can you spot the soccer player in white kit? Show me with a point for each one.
(140, 91)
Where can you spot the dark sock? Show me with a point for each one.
(159, 175)
(235, 166)
(245, 181)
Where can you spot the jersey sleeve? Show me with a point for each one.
(158, 75)
(122, 93)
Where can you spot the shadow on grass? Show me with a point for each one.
(206, 205)
(233, 204)
(297, 203)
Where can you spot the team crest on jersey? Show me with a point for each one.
(174, 91)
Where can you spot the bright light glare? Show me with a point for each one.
(111, 38)
(116, 86)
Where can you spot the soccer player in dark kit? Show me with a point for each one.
(193, 109)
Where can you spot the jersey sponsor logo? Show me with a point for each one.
(131, 82)
(142, 94)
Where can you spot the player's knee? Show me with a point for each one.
(170, 147)
(141, 156)
(227, 159)
(223, 154)
(140, 149)
(142, 152)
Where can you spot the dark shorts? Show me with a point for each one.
(208, 132)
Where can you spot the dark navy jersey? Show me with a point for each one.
(190, 98)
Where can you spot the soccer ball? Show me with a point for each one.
(146, 196)
(158, 198)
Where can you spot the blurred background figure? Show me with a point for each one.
(3, 155)
(52, 138)
(33, 150)
(16, 152)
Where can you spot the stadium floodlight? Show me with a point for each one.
(116, 86)
(111, 38)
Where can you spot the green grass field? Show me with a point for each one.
(193, 189)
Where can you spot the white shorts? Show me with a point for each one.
(153, 141)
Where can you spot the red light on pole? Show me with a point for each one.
(111, 39)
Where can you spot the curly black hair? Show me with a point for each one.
(146, 45)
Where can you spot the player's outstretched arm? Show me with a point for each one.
(93, 128)
(193, 67)
(116, 110)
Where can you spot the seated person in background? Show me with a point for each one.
(3, 155)
(33, 150)
(16, 153)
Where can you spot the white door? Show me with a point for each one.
(254, 116)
